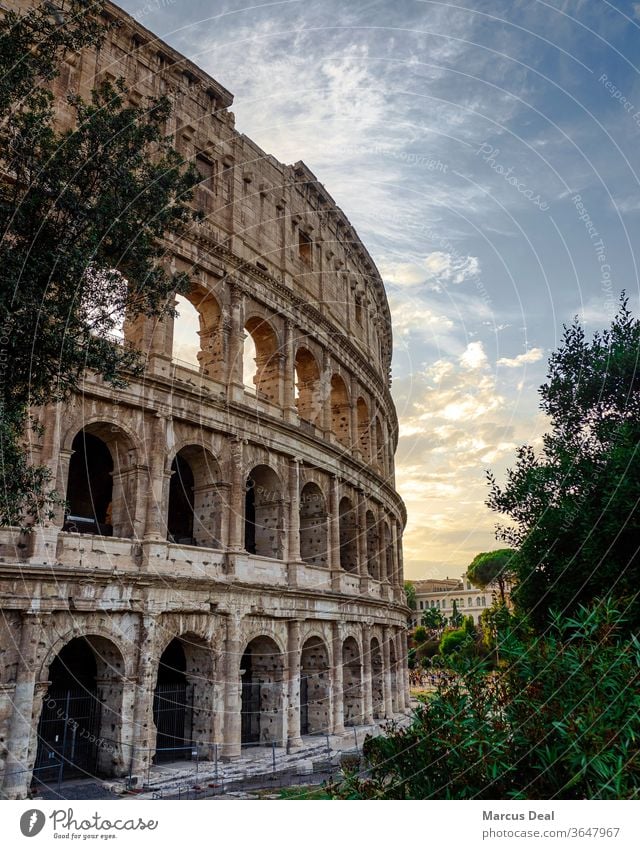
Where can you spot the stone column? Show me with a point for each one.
(18, 766)
(232, 743)
(387, 636)
(235, 385)
(294, 510)
(401, 671)
(237, 496)
(290, 411)
(382, 554)
(293, 688)
(394, 551)
(367, 694)
(325, 379)
(353, 421)
(155, 523)
(337, 684)
(334, 532)
(362, 544)
(143, 734)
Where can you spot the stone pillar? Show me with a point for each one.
(232, 743)
(402, 670)
(367, 694)
(155, 523)
(143, 735)
(294, 510)
(387, 636)
(382, 554)
(290, 411)
(326, 394)
(334, 532)
(235, 385)
(237, 496)
(223, 501)
(395, 580)
(337, 685)
(293, 689)
(362, 544)
(353, 420)
(18, 766)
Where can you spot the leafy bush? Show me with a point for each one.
(560, 718)
(420, 634)
(452, 641)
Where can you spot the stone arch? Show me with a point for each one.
(80, 724)
(348, 525)
(102, 481)
(373, 554)
(352, 682)
(313, 525)
(263, 518)
(340, 410)
(364, 428)
(194, 510)
(197, 339)
(377, 679)
(183, 698)
(315, 680)
(262, 703)
(265, 375)
(308, 392)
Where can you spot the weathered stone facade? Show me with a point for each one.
(230, 569)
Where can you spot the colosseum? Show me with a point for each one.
(227, 571)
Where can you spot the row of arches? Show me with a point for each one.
(101, 500)
(325, 402)
(86, 716)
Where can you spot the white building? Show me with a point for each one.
(441, 594)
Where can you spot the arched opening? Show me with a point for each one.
(263, 513)
(364, 433)
(348, 536)
(340, 410)
(197, 341)
(394, 676)
(194, 515)
(262, 671)
(183, 699)
(352, 682)
(373, 559)
(264, 376)
(79, 730)
(388, 552)
(101, 482)
(307, 387)
(186, 327)
(313, 525)
(377, 680)
(314, 687)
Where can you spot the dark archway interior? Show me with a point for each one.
(181, 502)
(90, 486)
(71, 715)
(250, 518)
(171, 702)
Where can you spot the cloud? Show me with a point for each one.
(435, 271)
(533, 355)
(474, 356)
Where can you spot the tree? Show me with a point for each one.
(492, 568)
(410, 593)
(560, 721)
(432, 619)
(420, 634)
(574, 506)
(455, 620)
(83, 214)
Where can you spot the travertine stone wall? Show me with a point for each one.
(304, 569)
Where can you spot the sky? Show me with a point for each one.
(488, 154)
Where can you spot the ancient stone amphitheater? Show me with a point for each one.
(228, 572)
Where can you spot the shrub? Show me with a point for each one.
(560, 719)
(420, 635)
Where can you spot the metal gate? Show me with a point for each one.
(68, 732)
(304, 705)
(170, 705)
(250, 714)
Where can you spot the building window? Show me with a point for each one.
(422, 605)
(305, 246)
(484, 601)
(470, 600)
(478, 601)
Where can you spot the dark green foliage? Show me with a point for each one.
(455, 620)
(493, 567)
(420, 634)
(83, 217)
(427, 650)
(432, 619)
(452, 641)
(574, 507)
(559, 719)
(410, 593)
